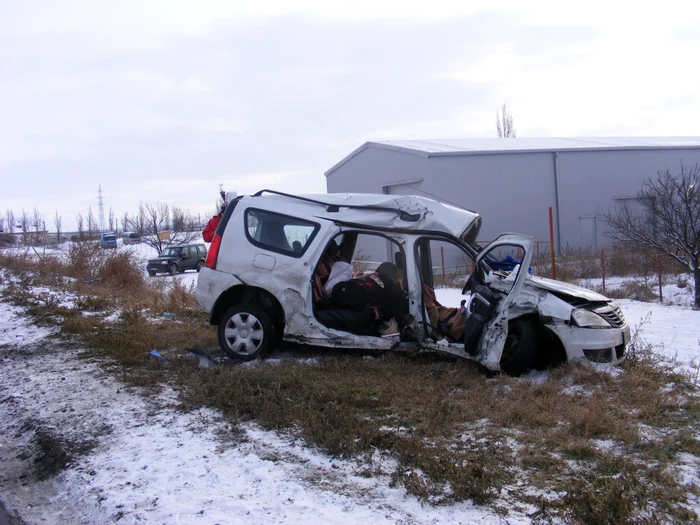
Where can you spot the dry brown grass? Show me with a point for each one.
(634, 289)
(577, 264)
(455, 434)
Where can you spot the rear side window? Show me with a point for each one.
(279, 233)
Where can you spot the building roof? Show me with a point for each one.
(450, 147)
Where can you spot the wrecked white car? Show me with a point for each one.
(268, 269)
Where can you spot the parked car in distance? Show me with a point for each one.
(273, 252)
(108, 240)
(131, 238)
(177, 259)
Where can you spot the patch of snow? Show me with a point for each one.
(17, 329)
(577, 390)
(113, 317)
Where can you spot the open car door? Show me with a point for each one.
(500, 271)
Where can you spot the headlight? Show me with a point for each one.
(587, 319)
(163, 262)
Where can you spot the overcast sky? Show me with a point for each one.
(161, 101)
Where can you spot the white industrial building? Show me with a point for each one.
(512, 183)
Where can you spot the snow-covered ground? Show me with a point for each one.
(153, 464)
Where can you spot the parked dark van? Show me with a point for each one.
(177, 259)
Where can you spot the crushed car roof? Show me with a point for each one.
(402, 212)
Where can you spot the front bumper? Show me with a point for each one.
(600, 346)
(157, 267)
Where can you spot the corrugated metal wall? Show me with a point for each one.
(513, 191)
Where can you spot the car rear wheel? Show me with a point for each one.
(200, 265)
(520, 350)
(245, 332)
(172, 269)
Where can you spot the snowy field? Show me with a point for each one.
(152, 464)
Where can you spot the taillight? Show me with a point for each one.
(213, 254)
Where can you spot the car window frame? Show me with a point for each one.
(270, 248)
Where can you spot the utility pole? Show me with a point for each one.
(101, 206)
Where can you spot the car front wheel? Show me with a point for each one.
(245, 332)
(172, 269)
(152, 273)
(520, 349)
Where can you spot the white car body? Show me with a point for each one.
(241, 270)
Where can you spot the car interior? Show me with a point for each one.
(363, 319)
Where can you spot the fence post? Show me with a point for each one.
(602, 266)
(658, 259)
(442, 257)
(551, 243)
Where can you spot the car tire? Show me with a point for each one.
(152, 273)
(173, 269)
(245, 332)
(520, 349)
(200, 265)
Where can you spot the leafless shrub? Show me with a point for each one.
(666, 219)
(160, 227)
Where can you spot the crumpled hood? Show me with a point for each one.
(565, 288)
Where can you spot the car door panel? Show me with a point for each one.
(501, 289)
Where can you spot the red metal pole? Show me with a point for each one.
(442, 256)
(658, 258)
(551, 242)
(602, 266)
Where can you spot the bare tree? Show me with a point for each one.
(91, 223)
(504, 123)
(137, 223)
(666, 217)
(184, 221)
(38, 221)
(2, 224)
(11, 221)
(112, 222)
(24, 222)
(158, 229)
(81, 226)
(57, 222)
